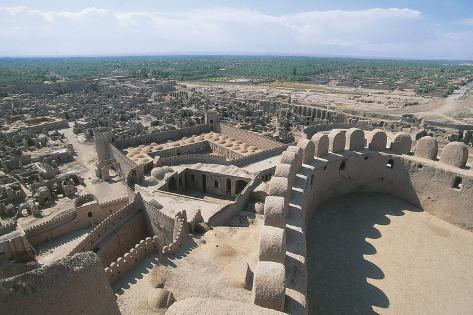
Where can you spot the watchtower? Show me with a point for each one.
(213, 120)
(102, 141)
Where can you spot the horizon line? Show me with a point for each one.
(235, 54)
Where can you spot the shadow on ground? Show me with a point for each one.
(336, 242)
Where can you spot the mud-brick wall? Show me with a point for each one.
(122, 239)
(73, 285)
(160, 224)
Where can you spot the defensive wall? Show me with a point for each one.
(127, 166)
(159, 223)
(449, 125)
(104, 228)
(309, 131)
(342, 162)
(73, 285)
(86, 212)
(14, 245)
(146, 246)
(127, 235)
(121, 238)
(258, 156)
(309, 115)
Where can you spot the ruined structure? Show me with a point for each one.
(222, 188)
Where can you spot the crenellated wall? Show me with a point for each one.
(341, 162)
(86, 212)
(105, 227)
(159, 223)
(125, 263)
(181, 231)
(121, 238)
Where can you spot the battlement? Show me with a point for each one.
(126, 262)
(340, 162)
(89, 242)
(60, 219)
(180, 233)
(7, 228)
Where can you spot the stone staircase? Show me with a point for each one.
(296, 285)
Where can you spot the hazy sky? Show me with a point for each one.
(383, 28)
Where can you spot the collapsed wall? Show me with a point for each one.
(341, 162)
(73, 285)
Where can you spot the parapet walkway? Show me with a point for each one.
(296, 285)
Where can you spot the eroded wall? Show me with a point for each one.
(73, 285)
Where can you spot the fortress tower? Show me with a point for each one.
(102, 139)
(213, 119)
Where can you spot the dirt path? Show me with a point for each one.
(86, 156)
(451, 104)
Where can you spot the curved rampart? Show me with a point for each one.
(441, 186)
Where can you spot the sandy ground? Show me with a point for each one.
(372, 253)
(362, 99)
(457, 108)
(213, 265)
(454, 109)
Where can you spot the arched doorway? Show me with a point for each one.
(204, 183)
(240, 185)
(229, 186)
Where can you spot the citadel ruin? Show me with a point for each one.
(126, 196)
